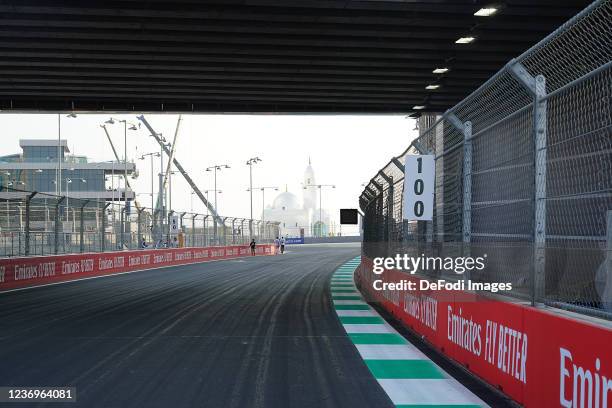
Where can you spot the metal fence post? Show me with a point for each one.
(215, 227)
(205, 240)
(168, 232)
(379, 197)
(401, 168)
(466, 130)
(234, 231)
(82, 227)
(182, 216)
(193, 234)
(540, 189)
(537, 88)
(103, 229)
(56, 226)
(139, 221)
(467, 183)
(27, 223)
(389, 210)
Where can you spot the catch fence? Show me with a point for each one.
(42, 224)
(523, 175)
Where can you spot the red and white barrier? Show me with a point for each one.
(536, 357)
(37, 270)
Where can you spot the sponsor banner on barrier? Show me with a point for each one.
(537, 357)
(31, 271)
(291, 241)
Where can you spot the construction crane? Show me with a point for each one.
(167, 173)
(173, 160)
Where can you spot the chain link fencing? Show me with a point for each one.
(523, 175)
(43, 224)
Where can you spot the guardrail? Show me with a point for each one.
(20, 272)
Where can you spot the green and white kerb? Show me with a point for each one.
(408, 377)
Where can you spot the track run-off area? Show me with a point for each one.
(271, 331)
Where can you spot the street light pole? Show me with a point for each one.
(59, 150)
(151, 155)
(214, 168)
(111, 121)
(250, 163)
(320, 187)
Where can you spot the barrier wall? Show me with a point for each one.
(536, 357)
(32, 271)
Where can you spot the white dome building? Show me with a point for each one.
(299, 217)
(286, 201)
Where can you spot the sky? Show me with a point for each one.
(344, 150)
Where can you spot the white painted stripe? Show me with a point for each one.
(402, 391)
(368, 328)
(356, 313)
(389, 352)
(424, 392)
(349, 302)
(341, 295)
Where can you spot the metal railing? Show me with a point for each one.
(523, 174)
(42, 224)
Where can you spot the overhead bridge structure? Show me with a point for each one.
(260, 55)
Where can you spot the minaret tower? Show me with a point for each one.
(310, 193)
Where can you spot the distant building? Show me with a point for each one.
(36, 169)
(300, 217)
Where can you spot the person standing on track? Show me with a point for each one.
(253, 245)
(282, 244)
(277, 245)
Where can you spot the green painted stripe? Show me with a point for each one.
(361, 320)
(404, 369)
(339, 291)
(377, 338)
(352, 307)
(346, 297)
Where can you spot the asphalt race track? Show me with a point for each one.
(254, 332)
